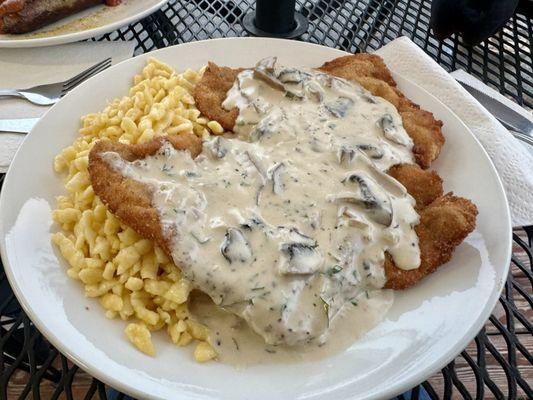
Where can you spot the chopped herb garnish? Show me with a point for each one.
(334, 270)
(291, 95)
(258, 288)
(235, 343)
(354, 303)
(283, 308)
(325, 304)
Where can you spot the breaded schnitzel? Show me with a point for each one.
(445, 220)
(211, 91)
(129, 200)
(443, 224)
(424, 185)
(368, 70)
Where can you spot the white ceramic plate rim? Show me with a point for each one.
(394, 389)
(80, 35)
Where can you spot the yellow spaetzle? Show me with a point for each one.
(132, 278)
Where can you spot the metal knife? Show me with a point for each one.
(21, 125)
(520, 127)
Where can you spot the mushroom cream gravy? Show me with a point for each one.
(286, 224)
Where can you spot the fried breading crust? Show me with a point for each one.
(210, 92)
(424, 185)
(444, 223)
(370, 71)
(129, 200)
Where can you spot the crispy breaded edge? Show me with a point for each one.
(424, 185)
(210, 92)
(129, 200)
(443, 224)
(370, 71)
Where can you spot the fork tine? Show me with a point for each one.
(69, 84)
(82, 73)
(74, 83)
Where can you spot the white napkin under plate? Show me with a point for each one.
(512, 160)
(27, 67)
(465, 77)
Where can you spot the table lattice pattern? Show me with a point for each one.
(499, 363)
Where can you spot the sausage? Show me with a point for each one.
(21, 16)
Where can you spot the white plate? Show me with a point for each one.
(86, 24)
(425, 329)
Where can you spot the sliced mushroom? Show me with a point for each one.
(263, 75)
(296, 236)
(258, 194)
(371, 151)
(276, 175)
(300, 258)
(267, 63)
(264, 71)
(292, 75)
(352, 216)
(339, 108)
(390, 131)
(324, 79)
(235, 247)
(345, 155)
(386, 181)
(256, 163)
(252, 223)
(339, 84)
(369, 195)
(369, 99)
(314, 91)
(217, 148)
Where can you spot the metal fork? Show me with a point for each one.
(45, 95)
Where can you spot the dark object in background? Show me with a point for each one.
(275, 18)
(476, 20)
(525, 7)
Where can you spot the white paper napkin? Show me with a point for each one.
(23, 68)
(465, 77)
(513, 162)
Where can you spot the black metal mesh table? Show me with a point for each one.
(498, 364)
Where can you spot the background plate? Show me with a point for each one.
(84, 25)
(426, 327)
